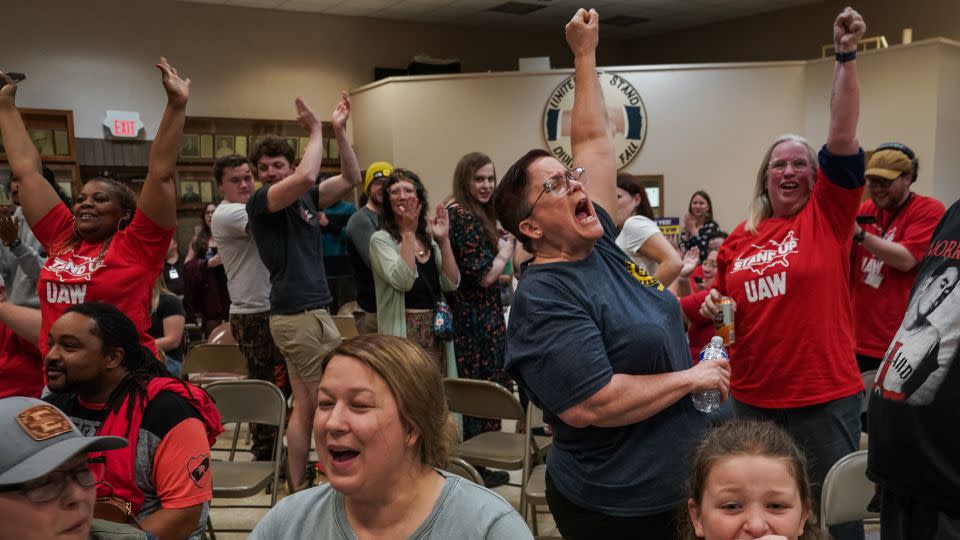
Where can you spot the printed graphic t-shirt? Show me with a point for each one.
(790, 281)
(124, 277)
(880, 291)
(573, 325)
(914, 400)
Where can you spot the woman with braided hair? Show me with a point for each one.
(108, 383)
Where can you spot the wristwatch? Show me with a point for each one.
(16, 243)
(846, 56)
(860, 236)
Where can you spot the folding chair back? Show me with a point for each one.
(463, 469)
(222, 335)
(349, 308)
(847, 491)
(346, 325)
(240, 402)
(209, 363)
(483, 399)
(533, 490)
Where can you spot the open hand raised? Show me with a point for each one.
(342, 112)
(178, 89)
(306, 116)
(8, 92)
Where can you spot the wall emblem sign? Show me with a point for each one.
(624, 105)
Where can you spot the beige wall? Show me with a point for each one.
(704, 132)
(95, 55)
(794, 34)
(709, 125)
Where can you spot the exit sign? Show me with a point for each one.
(123, 124)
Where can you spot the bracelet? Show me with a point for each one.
(860, 236)
(846, 56)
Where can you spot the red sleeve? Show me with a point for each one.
(919, 227)
(55, 227)
(145, 241)
(181, 466)
(838, 205)
(690, 305)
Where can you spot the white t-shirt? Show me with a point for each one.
(636, 230)
(247, 278)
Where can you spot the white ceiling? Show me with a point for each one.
(664, 15)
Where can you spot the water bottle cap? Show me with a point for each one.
(716, 340)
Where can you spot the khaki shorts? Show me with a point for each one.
(305, 339)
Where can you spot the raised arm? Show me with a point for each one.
(283, 193)
(36, 195)
(440, 229)
(158, 200)
(845, 99)
(591, 136)
(333, 189)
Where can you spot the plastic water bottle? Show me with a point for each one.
(709, 400)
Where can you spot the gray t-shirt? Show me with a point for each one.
(247, 278)
(291, 246)
(463, 511)
(573, 325)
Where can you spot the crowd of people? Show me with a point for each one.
(606, 325)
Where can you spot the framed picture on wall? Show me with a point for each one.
(61, 142)
(206, 146)
(254, 141)
(226, 145)
(240, 145)
(303, 146)
(190, 146)
(206, 192)
(43, 140)
(292, 141)
(189, 192)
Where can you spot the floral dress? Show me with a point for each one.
(701, 239)
(480, 331)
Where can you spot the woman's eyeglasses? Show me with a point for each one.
(559, 185)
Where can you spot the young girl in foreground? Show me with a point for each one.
(749, 481)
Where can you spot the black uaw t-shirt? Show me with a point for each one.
(915, 399)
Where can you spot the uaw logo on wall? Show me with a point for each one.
(626, 110)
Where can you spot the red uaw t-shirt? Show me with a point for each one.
(790, 281)
(880, 292)
(21, 369)
(124, 277)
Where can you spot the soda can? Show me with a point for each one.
(723, 322)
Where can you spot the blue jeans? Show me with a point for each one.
(826, 433)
